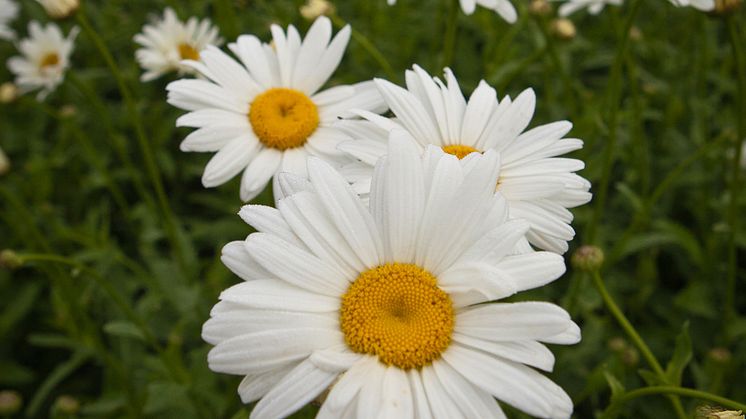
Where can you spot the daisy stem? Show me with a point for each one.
(147, 153)
(673, 390)
(368, 46)
(614, 97)
(738, 58)
(449, 37)
(635, 337)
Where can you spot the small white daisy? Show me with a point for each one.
(169, 41)
(265, 114)
(386, 305)
(8, 13)
(46, 56)
(704, 5)
(503, 7)
(594, 6)
(538, 185)
(58, 9)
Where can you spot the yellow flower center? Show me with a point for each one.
(397, 311)
(283, 118)
(459, 150)
(188, 52)
(49, 60)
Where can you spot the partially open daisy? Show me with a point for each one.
(594, 7)
(503, 7)
(169, 41)
(266, 114)
(384, 304)
(538, 185)
(8, 12)
(46, 54)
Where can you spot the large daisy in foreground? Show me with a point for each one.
(266, 114)
(538, 185)
(503, 7)
(384, 306)
(46, 56)
(169, 41)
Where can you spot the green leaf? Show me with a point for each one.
(682, 354)
(617, 388)
(650, 378)
(124, 329)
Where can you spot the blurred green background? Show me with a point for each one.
(115, 322)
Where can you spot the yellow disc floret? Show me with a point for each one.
(283, 118)
(49, 60)
(397, 312)
(459, 150)
(188, 52)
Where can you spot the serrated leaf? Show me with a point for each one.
(682, 354)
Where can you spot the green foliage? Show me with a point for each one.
(116, 321)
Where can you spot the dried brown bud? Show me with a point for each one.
(588, 258)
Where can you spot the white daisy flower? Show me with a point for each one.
(169, 41)
(503, 7)
(46, 56)
(594, 6)
(58, 9)
(538, 185)
(266, 114)
(8, 13)
(385, 304)
(704, 5)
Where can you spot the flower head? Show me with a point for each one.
(503, 7)
(169, 41)
(8, 13)
(59, 9)
(315, 8)
(538, 185)
(266, 114)
(594, 6)
(46, 56)
(386, 302)
(704, 5)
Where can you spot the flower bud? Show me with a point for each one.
(588, 258)
(617, 344)
(59, 9)
(4, 163)
(720, 355)
(66, 405)
(540, 8)
(8, 92)
(10, 260)
(315, 8)
(10, 402)
(563, 28)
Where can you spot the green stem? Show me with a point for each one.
(634, 337)
(150, 163)
(614, 95)
(368, 46)
(673, 390)
(449, 35)
(733, 216)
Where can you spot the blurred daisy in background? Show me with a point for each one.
(704, 5)
(45, 57)
(594, 6)
(169, 41)
(59, 9)
(8, 13)
(539, 186)
(503, 7)
(386, 306)
(266, 114)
